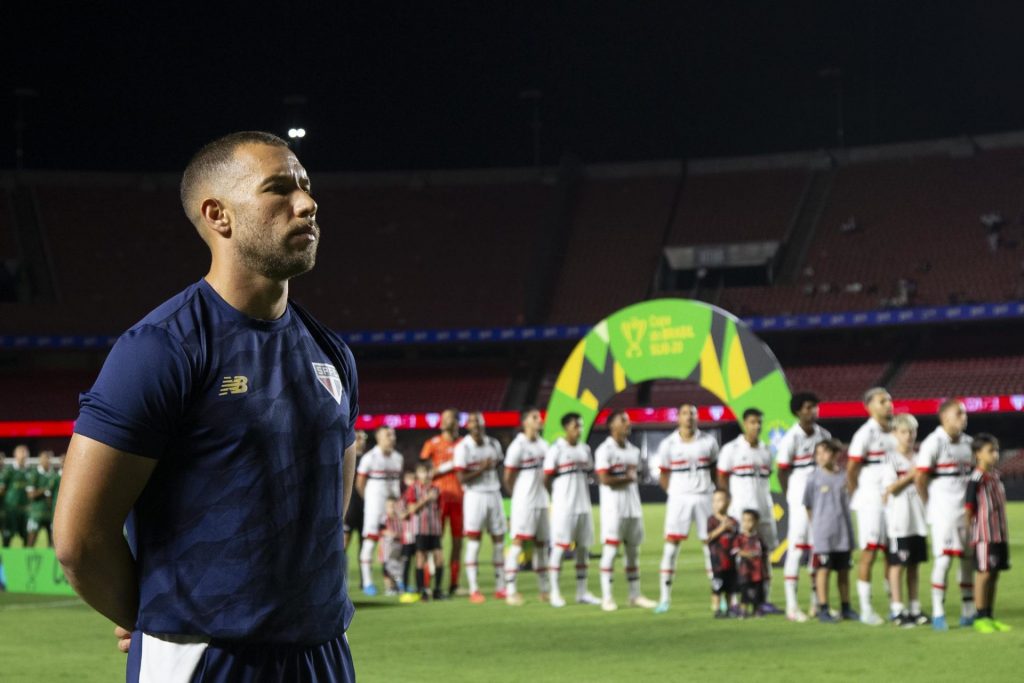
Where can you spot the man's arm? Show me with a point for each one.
(723, 480)
(360, 487)
(617, 481)
(509, 476)
(99, 487)
(784, 473)
(348, 474)
(921, 480)
(853, 474)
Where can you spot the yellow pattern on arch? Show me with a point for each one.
(739, 374)
(568, 381)
(710, 370)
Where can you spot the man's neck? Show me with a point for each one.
(572, 443)
(478, 439)
(621, 441)
(753, 444)
(952, 437)
(808, 427)
(531, 437)
(687, 434)
(448, 434)
(884, 425)
(254, 295)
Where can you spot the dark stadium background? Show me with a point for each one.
(654, 124)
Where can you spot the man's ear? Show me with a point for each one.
(215, 217)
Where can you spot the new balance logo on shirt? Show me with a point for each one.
(239, 384)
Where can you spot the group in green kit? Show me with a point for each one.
(29, 494)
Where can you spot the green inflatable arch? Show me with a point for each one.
(671, 339)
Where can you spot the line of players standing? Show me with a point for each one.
(27, 496)
(896, 494)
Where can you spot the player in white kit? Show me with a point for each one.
(795, 460)
(378, 477)
(524, 477)
(686, 459)
(565, 475)
(867, 456)
(745, 470)
(616, 462)
(476, 461)
(943, 468)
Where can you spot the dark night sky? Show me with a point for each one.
(427, 85)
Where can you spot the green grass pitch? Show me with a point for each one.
(54, 639)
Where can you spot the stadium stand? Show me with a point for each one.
(434, 255)
(614, 246)
(974, 376)
(390, 390)
(8, 246)
(737, 206)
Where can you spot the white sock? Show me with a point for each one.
(540, 565)
(582, 560)
(707, 561)
(498, 559)
(791, 577)
(792, 604)
(768, 589)
(554, 568)
(472, 569)
(607, 567)
(967, 587)
(864, 593)
(940, 569)
(633, 570)
(668, 569)
(366, 562)
(810, 576)
(896, 608)
(512, 567)
(915, 607)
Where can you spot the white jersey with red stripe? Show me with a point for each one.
(796, 454)
(471, 456)
(904, 511)
(870, 446)
(749, 469)
(568, 465)
(949, 464)
(383, 472)
(691, 462)
(526, 457)
(623, 502)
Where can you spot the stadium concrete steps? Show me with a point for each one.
(805, 222)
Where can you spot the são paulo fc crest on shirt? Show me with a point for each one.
(328, 376)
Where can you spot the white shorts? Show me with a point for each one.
(871, 528)
(373, 510)
(628, 530)
(798, 527)
(949, 535)
(483, 511)
(530, 524)
(575, 528)
(768, 532)
(684, 510)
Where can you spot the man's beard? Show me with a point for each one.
(276, 261)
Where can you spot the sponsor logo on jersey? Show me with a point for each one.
(329, 380)
(237, 384)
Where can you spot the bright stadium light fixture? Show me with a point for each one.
(300, 132)
(293, 133)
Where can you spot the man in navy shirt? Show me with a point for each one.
(219, 435)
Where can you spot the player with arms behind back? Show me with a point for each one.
(222, 427)
(565, 475)
(378, 478)
(868, 452)
(616, 463)
(524, 477)
(795, 460)
(943, 468)
(686, 459)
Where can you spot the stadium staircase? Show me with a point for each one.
(35, 261)
(805, 221)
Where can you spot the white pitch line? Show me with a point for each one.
(41, 605)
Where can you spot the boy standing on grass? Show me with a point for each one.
(906, 524)
(391, 546)
(422, 501)
(752, 563)
(986, 522)
(827, 499)
(720, 538)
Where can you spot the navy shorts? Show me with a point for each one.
(187, 659)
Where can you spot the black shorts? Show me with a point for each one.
(427, 542)
(908, 550)
(833, 561)
(723, 583)
(752, 593)
(408, 550)
(991, 557)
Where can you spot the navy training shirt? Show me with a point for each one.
(238, 534)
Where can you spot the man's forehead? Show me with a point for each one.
(271, 160)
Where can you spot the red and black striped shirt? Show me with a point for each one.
(427, 520)
(986, 499)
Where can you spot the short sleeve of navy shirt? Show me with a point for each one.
(238, 534)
